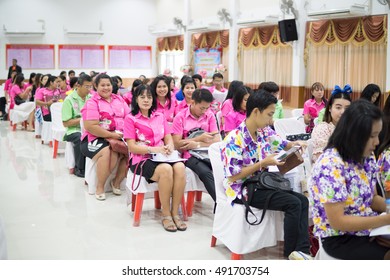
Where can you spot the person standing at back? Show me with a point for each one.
(71, 116)
(14, 67)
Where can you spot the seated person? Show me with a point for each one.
(372, 93)
(46, 96)
(103, 117)
(198, 80)
(250, 148)
(146, 132)
(313, 106)
(166, 102)
(227, 105)
(217, 88)
(273, 88)
(71, 116)
(197, 116)
(236, 116)
(187, 87)
(343, 198)
(338, 102)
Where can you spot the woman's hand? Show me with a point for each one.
(117, 135)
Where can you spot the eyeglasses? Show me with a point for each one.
(87, 87)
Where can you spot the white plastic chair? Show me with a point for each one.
(321, 254)
(230, 225)
(218, 117)
(57, 127)
(289, 126)
(297, 113)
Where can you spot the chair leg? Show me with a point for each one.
(157, 202)
(55, 148)
(235, 256)
(50, 144)
(133, 196)
(25, 125)
(198, 196)
(139, 200)
(213, 241)
(183, 208)
(190, 202)
(14, 127)
(71, 170)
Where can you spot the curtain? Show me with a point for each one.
(344, 51)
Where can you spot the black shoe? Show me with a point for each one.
(79, 173)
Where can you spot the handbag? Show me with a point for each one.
(264, 180)
(118, 146)
(18, 100)
(201, 154)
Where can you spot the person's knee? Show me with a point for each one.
(165, 171)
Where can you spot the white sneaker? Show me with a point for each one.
(300, 256)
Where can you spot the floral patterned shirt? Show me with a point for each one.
(241, 150)
(384, 169)
(334, 180)
(320, 136)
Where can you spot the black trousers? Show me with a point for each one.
(78, 156)
(296, 220)
(205, 173)
(3, 102)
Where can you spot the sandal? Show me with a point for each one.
(170, 225)
(179, 223)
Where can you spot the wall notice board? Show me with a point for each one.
(122, 57)
(81, 56)
(30, 56)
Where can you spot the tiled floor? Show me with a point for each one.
(48, 214)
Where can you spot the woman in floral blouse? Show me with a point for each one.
(338, 102)
(343, 198)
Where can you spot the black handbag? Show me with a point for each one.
(262, 181)
(18, 100)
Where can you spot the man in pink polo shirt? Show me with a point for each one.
(197, 117)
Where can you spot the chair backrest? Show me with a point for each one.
(289, 126)
(56, 116)
(218, 170)
(218, 117)
(296, 113)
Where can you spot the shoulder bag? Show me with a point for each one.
(262, 181)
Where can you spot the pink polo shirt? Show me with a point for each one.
(168, 112)
(15, 90)
(127, 97)
(111, 115)
(311, 103)
(233, 119)
(143, 129)
(8, 84)
(181, 106)
(227, 106)
(184, 121)
(43, 94)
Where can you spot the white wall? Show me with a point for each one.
(125, 22)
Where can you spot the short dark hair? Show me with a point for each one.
(83, 78)
(354, 129)
(217, 75)
(197, 76)
(234, 85)
(153, 87)
(136, 83)
(238, 97)
(202, 94)
(261, 99)
(73, 81)
(333, 96)
(270, 86)
(139, 90)
(100, 77)
(186, 81)
(369, 91)
(71, 72)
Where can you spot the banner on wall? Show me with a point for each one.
(207, 59)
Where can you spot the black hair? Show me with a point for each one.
(369, 91)
(63, 78)
(84, 78)
(234, 85)
(217, 75)
(270, 86)
(62, 73)
(32, 76)
(186, 81)
(197, 76)
(136, 83)
(354, 129)
(384, 136)
(19, 78)
(339, 95)
(139, 90)
(100, 77)
(153, 88)
(73, 81)
(261, 99)
(238, 97)
(202, 94)
(50, 79)
(71, 72)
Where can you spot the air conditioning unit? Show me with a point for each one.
(83, 33)
(253, 22)
(165, 32)
(204, 27)
(354, 10)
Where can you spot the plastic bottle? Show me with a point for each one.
(388, 206)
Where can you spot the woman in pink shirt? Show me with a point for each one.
(147, 132)
(236, 116)
(187, 87)
(45, 96)
(166, 103)
(314, 105)
(128, 96)
(103, 117)
(24, 108)
(227, 105)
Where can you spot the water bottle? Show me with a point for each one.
(388, 206)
